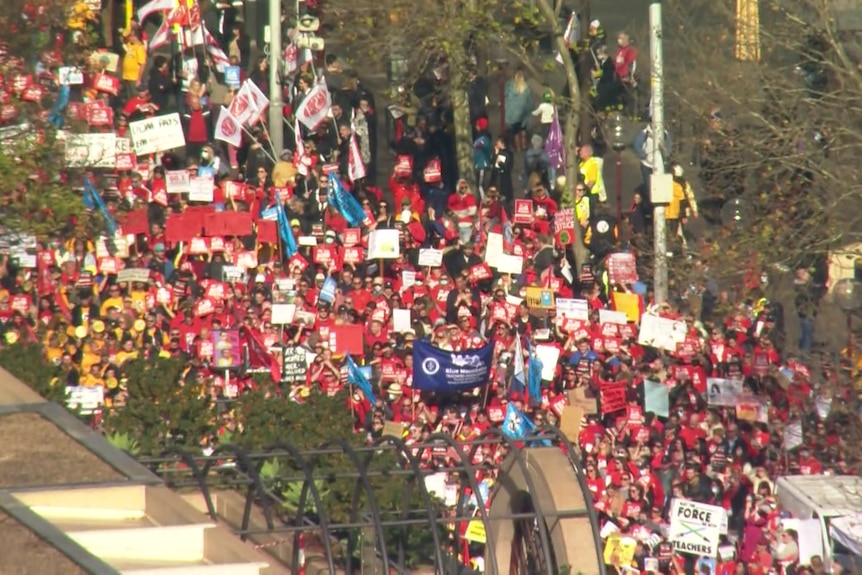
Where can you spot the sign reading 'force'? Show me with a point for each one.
(695, 527)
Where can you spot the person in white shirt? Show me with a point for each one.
(545, 112)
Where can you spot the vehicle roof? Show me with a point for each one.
(831, 496)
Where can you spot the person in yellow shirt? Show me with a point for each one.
(582, 205)
(591, 169)
(127, 352)
(92, 376)
(134, 63)
(682, 205)
(114, 299)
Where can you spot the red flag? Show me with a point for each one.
(258, 356)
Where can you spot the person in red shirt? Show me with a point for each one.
(463, 203)
(197, 125)
(140, 107)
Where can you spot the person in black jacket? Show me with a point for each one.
(501, 172)
(462, 296)
(160, 84)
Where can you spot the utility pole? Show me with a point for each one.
(276, 106)
(661, 189)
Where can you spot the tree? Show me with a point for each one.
(37, 195)
(776, 132)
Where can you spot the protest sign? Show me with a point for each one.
(539, 298)
(177, 181)
(157, 134)
(141, 275)
(570, 422)
(523, 213)
(619, 550)
(611, 316)
(293, 367)
(613, 397)
(384, 244)
(227, 348)
(723, 392)
(564, 226)
(792, 435)
(695, 527)
(430, 258)
(583, 397)
(401, 320)
(509, 264)
(751, 408)
(622, 269)
(494, 249)
(573, 308)
(91, 150)
(656, 398)
(661, 332)
(201, 189)
(549, 355)
(87, 399)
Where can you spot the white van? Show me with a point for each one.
(824, 506)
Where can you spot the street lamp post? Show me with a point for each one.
(618, 143)
(848, 295)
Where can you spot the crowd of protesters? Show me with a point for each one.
(70, 297)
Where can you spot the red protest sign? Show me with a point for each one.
(107, 84)
(324, 255)
(346, 338)
(354, 255)
(352, 237)
(622, 269)
(216, 244)
(198, 246)
(228, 224)
(204, 307)
(496, 414)
(216, 291)
(267, 231)
(235, 191)
(126, 162)
(523, 212)
(564, 227)
(613, 397)
(99, 115)
(136, 222)
(480, 272)
(109, 266)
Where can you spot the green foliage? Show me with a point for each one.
(27, 362)
(163, 408)
(124, 442)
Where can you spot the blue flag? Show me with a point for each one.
(516, 425)
(57, 116)
(357, 378)
(435, 369)
(92, 199)
(534, 376)
(284, 230)
(519, 372)
(342, 200)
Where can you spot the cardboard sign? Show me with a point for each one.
(539, 298)
(523, 213)
(622, 269)
(157, 134)
(570, 422)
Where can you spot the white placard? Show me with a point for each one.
(494, 249)
(661, 332)
(612, 316)
(430, 258)
(201, 189)
(177, 181)
(695, 527)
(283, 313)
(70, 76)
(509, 264)
(89, 399)
(573, 308)
(792, 435)
(384, 244)
(408, 279)
(91, 150)
(401, 320)
(723, 391)
(549, 355)
(27, 261)
(308, 241)
(141, 275)
(157, 134)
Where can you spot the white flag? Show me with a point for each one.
(162, 37)
(228, 129)
(315, 106)
(257, 95)
(153, 7)
(219, 58)
(355, 167)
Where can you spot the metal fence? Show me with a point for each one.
(233, 467)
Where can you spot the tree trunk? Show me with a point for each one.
(461, 119)
(571, 125)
